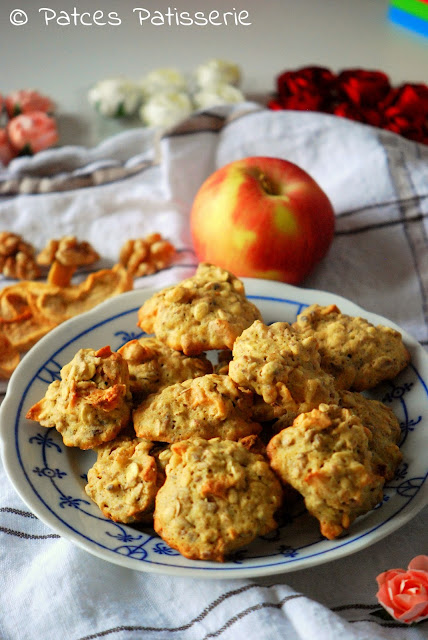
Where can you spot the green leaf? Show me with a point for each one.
(26, 151)
(120, 112)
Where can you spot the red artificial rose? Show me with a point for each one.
(408, 99)
(303, 101)
(406, 127)
(348, 110)
(312, 79)
(353, 112)
(308, 88)
(362, 87)
(275, 104)
(404, 594)
(405, 111)
(357, 94)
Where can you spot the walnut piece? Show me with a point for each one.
(69, 252)
(17, 258)
(145, 256)
(65, 256)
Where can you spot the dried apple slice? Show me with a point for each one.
(60, 304)
(9, 357)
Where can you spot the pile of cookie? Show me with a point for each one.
(33, 306)
(209, 450)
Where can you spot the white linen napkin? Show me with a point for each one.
(137, 183)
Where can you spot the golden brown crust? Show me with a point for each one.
(326, 456)
(282, 368)
(91, 403)
(217, 497)
(154, 366)
(207, 407)
(207, 311)
(356, 353)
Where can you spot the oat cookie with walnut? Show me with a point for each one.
(206, 407)
(281, 367)
(124, 482)
(91, 403)
(384, 427)
(153, 365)
(326, 456)
(358, 354)
(204, 312)
(217, 497)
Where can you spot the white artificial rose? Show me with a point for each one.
(166, 109)
(115, 97)
(216, 71)
(218, 94)
(166, 79)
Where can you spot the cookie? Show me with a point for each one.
(91, 403)
(124, 482)
(217, 497)
(153, 366)
(205, 312)
(325, 455)
(384, 427)
(282, 367)
(356, 353)
(206, 407)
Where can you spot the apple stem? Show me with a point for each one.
(267, 185)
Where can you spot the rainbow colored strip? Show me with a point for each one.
(411, 14)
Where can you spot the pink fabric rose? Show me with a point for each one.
(32, 132)
(6, 150)
(27, 101)
(404, 594)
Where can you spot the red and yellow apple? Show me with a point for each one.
(262, 217)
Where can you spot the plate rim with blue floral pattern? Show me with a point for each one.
(50, 477)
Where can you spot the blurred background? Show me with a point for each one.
(61, 57)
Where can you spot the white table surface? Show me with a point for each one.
(65, 61)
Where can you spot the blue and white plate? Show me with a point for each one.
(51, 478)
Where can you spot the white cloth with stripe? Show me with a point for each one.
(132, 185)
